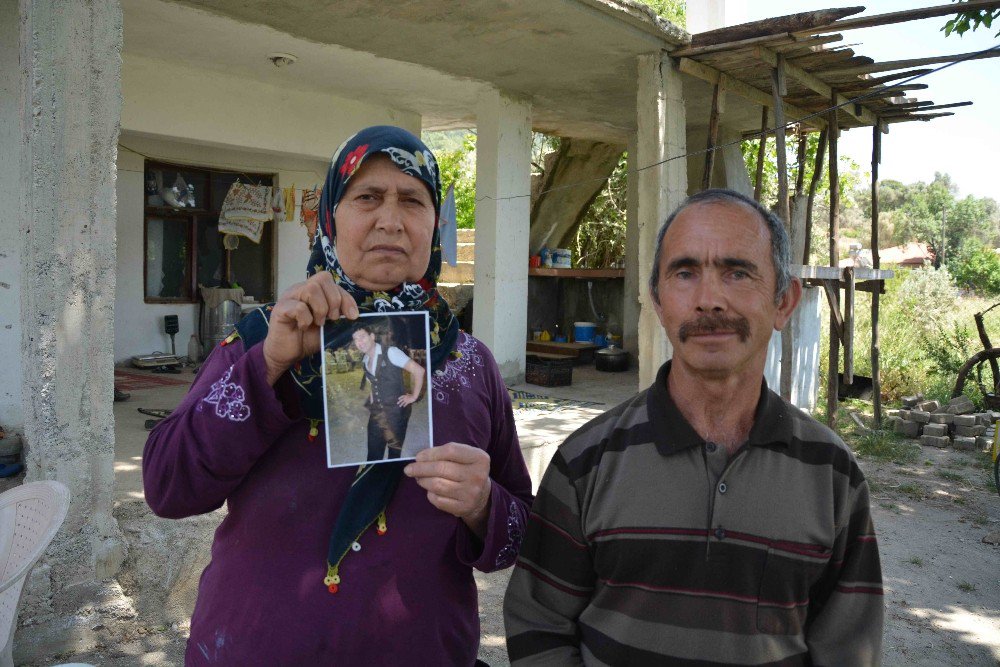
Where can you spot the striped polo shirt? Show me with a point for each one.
(648, 545)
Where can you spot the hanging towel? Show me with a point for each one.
(245, 210)
(288, 194)
(278, 204)
(448, 225)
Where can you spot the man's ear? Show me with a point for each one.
(787, 305)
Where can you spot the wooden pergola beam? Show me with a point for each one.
(913, 117)
(783, 40)
(913, 62)
(890, 111)
(876, 92)
(737, 87)
(901, 16)
(815, 84)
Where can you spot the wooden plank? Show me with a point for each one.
(902, 16)
(914, 62)
(832, 290)
(933, 107)
(758, 184)
(777, 76)
(801, 22)
(876, 262)
(713, 139)
(833, 367)
(692, 51)
(907, 119)
(800, 159)
(848, 338)
(576, 273)
(737, 87)
(879, 92)
(814, 83)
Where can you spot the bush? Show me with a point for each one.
(977, 267)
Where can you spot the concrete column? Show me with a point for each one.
(70, 55)
(660, 135)
(503, 181)
(632, 291)
(11, 413)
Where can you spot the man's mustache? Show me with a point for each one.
(712, 323)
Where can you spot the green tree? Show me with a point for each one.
(672, 10)
(978, 267)
(458, 166)
(970, 20)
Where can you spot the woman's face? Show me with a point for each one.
(385, 224)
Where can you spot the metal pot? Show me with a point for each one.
(612, 359)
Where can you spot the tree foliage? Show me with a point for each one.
(458, 166)
(977, 267)
(970, 20)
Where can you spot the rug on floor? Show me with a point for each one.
(525, 400)
(131, 381)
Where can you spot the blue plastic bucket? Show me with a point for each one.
(583, 332)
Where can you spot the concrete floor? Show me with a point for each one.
(540, 433)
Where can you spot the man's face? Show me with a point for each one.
(364, 340)
(716, 289)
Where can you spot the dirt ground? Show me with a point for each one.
(931, 514)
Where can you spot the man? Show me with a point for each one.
(388, 401)
(704, 521)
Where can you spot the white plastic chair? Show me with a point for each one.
(30, 516)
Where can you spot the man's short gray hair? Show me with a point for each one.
(779, 237)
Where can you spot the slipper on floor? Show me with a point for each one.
(10, 469)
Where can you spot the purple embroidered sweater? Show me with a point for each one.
(406, 597)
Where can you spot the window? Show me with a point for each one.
(183, 246)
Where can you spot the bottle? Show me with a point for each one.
(194, 349)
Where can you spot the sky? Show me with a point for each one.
(966, 145)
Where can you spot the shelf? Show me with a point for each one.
(577, 273)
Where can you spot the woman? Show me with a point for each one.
(403, 594)
(388, 401)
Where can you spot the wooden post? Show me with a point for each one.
(713, 139)
(834, 365)
(758, 186)
(800, 175)
(813, 184)
(778, 89)
(848, 339)
(877, 288)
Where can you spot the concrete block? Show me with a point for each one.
(982, 418)
(929, 406)
(904, 413)
(965, 420)
(920, 416)
(935, 429)
(911, 401)
(942, 418)
(983, 443)
(907, 428)
(993, 415)
(893, 413)
(961, 405)
(940, 441)
(970, 431)
(964, 443)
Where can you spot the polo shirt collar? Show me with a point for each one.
(772, 423)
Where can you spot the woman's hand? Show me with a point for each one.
(407, 399)
(298, 316)
(457, 480)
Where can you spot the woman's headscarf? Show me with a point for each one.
(373, 485)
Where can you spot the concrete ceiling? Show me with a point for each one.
(574, 60)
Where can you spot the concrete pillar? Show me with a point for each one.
(705, 15)
(503, 181)
(660, 135)
(70, 55)
(11, 413)
(630, 306)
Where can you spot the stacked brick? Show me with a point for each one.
(956, 424)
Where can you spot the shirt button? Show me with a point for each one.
(722, 487)
(356, 547)
(720, 533)
(711, 447)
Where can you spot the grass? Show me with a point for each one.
(966, 586)
(883, 445)
(915, 560)
(913, 491)
(951, 476)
